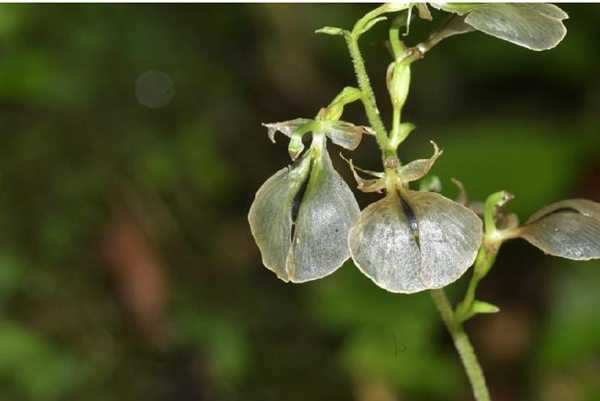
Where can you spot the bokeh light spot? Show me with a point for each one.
(154, 89)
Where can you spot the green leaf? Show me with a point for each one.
(534, 26)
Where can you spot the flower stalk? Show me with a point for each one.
(463, 345)
(398, 86)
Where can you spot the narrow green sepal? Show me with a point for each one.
(483, 307)
(370, 24)
(336, 108)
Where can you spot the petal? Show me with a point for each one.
(419, 168)
(270, 215)
(325, 216)
(534, 26)
(301, 217)
(455, 25)
(413, 241)
(344, 134)
(569, 229)
(373, 185)
(287, 128)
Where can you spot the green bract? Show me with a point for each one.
(301, 216)
(412, 241)
(535, 26)
(569, 229)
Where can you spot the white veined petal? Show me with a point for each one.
(413, 241)
(568, 229)
(325, 216)
(300, 219)
(270, 215)
(344, 134)
(287, 128)
(534, 26)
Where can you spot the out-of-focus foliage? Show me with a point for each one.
(127, 270)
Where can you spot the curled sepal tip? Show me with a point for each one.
(417, 169)
(287, 128)
(568, 229)
(412, 241)
(300, 219)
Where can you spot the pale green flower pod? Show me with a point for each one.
(569, 229)
(412, 241)
(301, 216)
(536, 26)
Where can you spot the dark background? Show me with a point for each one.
(127, 269)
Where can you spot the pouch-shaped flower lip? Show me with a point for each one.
(411, 241)
(301, 216)
(568, 229)
(536, 26)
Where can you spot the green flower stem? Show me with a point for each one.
(368, 97)
(395, 132)
(495, 199)
(483, 263)
(394, 35)
(398, 83)
(463, 346)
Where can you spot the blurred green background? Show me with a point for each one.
(127, 269)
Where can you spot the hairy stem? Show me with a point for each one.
(398, 82)
(463, 346)
(368, 97)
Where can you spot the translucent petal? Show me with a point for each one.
(325, 216)
(343, 134)
(270, 215)
(455, 25)
(534, 26)
(419, 168)
(300, 219)
(413, 241)
(569, 229)
(423, 11)
(287, 128)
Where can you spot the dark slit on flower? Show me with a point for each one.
(298, 199)
(559, 210)
(412, 220)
